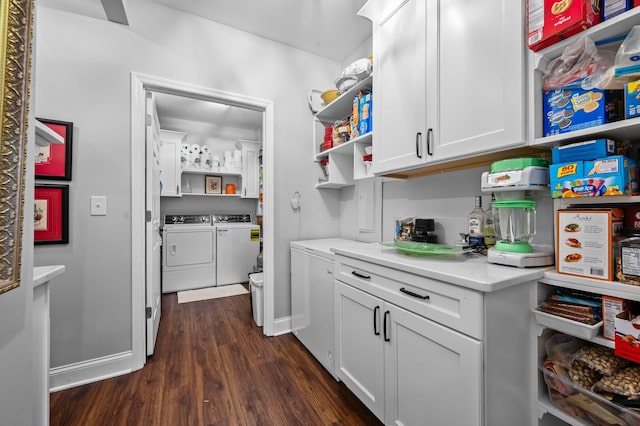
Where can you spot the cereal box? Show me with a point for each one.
(586, 241)
(572, 108)
(611, 8)
(365, 112)
(632, 99)
(550, 21)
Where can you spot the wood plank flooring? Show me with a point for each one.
(213, 366)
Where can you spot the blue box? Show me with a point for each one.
(611, 8)
(632, 99)
(614, 175)
(571, 108)
(589, 150)
(365, 110)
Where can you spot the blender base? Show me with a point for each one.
(521, 260)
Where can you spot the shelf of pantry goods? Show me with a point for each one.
(628, 129)
(346, 146)
(209, 172)
(200, 194)
(334, 110)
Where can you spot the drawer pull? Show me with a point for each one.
(386, 315)
(375, 322)
(366, 277)
(410, 293)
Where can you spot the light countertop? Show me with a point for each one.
(466, 270)
(42, 274)
(324, 247)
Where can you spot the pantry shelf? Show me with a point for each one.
(345, 147)
(609, 288)
(628, 129)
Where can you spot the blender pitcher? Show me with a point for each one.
(515, 225)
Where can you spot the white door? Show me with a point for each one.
(153, 240)
(427, 367)
(359, 345)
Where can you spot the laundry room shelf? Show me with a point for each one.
(209, 172)
(200, 194)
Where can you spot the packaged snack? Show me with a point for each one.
(601, 359)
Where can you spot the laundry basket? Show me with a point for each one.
(257, 298)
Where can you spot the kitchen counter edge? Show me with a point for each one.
(42, 274)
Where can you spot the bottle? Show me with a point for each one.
(489, 228)
(476, 224)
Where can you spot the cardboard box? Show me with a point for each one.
(586, 241)
(627, 344)
(611, 8)
(550, 21)
(632, 99)
(365, 109)
(589, 150)
(611, 307)
(571, 108)
(355, 116)
(608, 176)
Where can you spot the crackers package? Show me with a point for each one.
(550, 21)
(571, 108)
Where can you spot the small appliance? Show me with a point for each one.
(514, 182)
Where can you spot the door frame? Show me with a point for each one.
(140, 83)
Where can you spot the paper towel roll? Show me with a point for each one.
(185, 147)
(237, 155)
(195, 148)
(205, 149)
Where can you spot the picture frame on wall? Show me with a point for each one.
(53, 162)
(51, 214)
(213, 185)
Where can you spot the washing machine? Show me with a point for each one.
(237, 247)
(188, 252)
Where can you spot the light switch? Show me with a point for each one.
(98, 205)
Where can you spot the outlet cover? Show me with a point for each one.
(98, 205)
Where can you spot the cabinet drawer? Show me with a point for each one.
(450, 305)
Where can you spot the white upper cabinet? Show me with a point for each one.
(171, 144)
(449, 80)
(250, 168)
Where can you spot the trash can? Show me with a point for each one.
(257, 298)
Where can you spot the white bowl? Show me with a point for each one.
(345, 83)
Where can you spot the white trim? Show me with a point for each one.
(282, 326)
(81, 373)
(139, 84)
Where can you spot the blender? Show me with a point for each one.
(513, 182)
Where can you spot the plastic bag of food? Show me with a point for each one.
(579, 60)
(561, 349)
(601, 359)
(629, 52)
(625, 382)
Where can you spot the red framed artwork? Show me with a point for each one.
(51, 214)
(54, 161)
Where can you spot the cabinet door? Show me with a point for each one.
(481, 77)
(250, 172)
(431, 372)
(359, 345)
(399, 108)
(170, 168)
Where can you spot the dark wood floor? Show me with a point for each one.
(213, 366)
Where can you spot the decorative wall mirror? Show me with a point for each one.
(16, 21)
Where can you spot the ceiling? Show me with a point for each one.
(328, 28)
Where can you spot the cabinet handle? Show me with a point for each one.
(410, 293)
(429, 134)
(366, 277)
(386, 337)
(376, 311)
(418, 139)
(177, 189)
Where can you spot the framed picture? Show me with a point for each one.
(212, 185)
(16, 36)
(54, 161)
(51, 214)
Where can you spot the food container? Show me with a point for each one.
(587, 406)
(329, 96)
(345, 83)
(574, 328)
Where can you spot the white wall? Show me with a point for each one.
(83, 72)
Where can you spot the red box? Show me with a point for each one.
(550, 21)
(627, 344)
(636, 3)
(328, 131)
(367, 157)
(327, 145)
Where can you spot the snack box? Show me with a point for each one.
(365, 110)
(627, 344)
(586, 241)
(611, 307)
(355, 116)
(572, 108)
(611, 8)
(589, 150)
(550, 21)
(608, 176)
(632, 99)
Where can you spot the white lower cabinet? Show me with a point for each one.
(405, 368)
(421, 351)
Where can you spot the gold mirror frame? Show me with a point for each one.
(16, 22)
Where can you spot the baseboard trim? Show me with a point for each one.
(93, 370)
(282, 326)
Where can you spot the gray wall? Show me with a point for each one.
(83, 76)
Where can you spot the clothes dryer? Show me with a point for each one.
(237, 247)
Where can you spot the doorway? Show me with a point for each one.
(140, 84)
